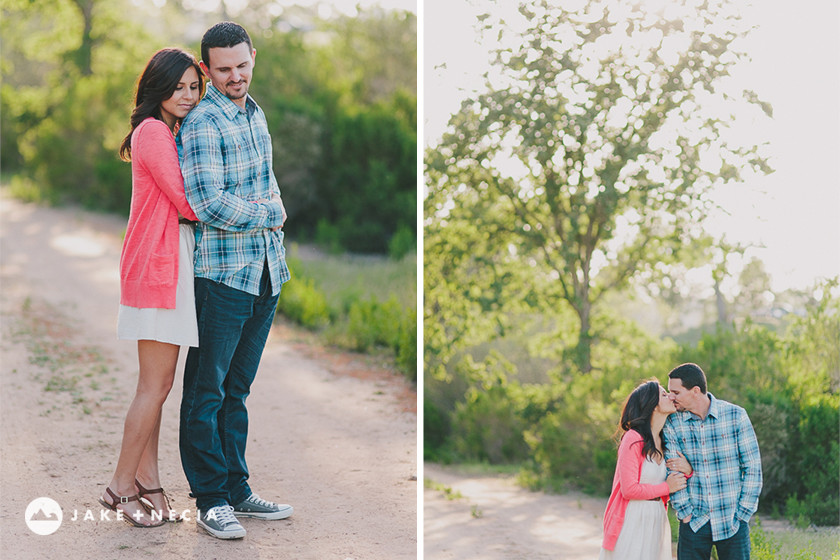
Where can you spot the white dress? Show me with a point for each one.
(175, 326)
(645, 534)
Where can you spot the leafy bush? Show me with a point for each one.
(402, 243)
(406, 349)
(303, 303)
(762, 546)
(436, 429)
(572, 443)
(816, 475)
(328, 236)
(488, 428)
(373, 323)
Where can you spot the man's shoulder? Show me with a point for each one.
(677, 419)
(726, 408)
(205, 112)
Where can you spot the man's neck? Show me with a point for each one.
(704, 406)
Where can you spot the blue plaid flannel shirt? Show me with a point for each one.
(723, 451)
(226, 161)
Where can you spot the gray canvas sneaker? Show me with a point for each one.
(254, 506)
(221, 523)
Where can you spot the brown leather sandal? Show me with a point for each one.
(124, 500)
(145, 491)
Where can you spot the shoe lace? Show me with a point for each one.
(224, 515)
(256, 500)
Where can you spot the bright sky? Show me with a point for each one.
(326, 7)
(794, 214)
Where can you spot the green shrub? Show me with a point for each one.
(372, 323)
(303, 303)
(436, 427)
(402, 243)
(407, 345)
(328, 236)
(762, 546)
(488, 426)
(818, 454)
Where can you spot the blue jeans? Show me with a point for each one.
(698, 546)
(232, 329)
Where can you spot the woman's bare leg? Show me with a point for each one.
(157, 373)
(148, 474)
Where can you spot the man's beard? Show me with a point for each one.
(230, 95)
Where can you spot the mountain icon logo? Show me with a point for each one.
(43, 516)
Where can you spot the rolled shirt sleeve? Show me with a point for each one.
(750, 460)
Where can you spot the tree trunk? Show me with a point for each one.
(583, 352)
(84, 54)
(720, 302)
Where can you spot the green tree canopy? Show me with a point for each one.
(602, 131)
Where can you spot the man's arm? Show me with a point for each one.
(203, 170)
(749, 458)
(680, 500)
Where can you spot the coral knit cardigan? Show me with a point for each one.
(149, 259)
(626, 486)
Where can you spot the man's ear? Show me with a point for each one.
(254, 56)
(204, 68)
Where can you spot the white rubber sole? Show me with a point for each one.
(226, 535)
(282, 514)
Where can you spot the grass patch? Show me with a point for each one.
(55, 353)
(793, 543)
(346, 278)
(358, 302)
(452, 495)
(447, 491)
(784, 543)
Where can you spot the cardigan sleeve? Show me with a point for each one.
(630, 460)
(159, 156)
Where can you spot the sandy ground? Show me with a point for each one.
(333, 434)
(494, 519)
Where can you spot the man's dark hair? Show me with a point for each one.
(225, 35)
(691, 376)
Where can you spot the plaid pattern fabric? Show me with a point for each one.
(226, 161)
(723, 451)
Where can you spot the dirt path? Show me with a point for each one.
(497, 520)
(332, 434)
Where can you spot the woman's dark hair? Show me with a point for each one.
(157, 83)
(636, 414)
(691, 375)
(224, 35)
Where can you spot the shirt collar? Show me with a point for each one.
(228, 107)
(714, 409)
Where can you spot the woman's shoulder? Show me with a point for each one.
(152, 126)
(630, 437)
(151, 134)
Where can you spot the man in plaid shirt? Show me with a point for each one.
(722, 494)
(240, 266)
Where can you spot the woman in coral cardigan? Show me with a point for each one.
(157, 305)
(636, 521)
